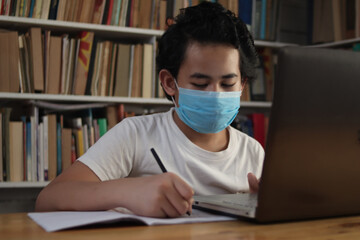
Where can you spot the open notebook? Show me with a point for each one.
(312, 163)
(56, 221)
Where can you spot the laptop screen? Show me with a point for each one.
(312, 163)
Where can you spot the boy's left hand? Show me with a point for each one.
(253, 183)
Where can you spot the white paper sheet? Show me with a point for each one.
(55, 221)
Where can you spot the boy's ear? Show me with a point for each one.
(243, 83)
(167, 82)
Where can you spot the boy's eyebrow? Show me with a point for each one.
(201, 75)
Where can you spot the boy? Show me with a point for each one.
(204, 60)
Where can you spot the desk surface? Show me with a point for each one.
(19, 226)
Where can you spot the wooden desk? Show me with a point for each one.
(19, 226)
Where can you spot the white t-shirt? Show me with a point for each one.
(124, 151)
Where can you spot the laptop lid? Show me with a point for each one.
(312, 163)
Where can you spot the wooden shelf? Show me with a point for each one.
(23, 184)
(272, 44)
(105, 100)
(105, 31)
(342, 43)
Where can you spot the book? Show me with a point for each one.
(144, 17)
(113, 55)
(45, 151)
(54, 82)
(99, 8)
(6, 112)
(31, 8)
(123, 13)
(53, 9)
(37, 8)
(82, 69)
(258, 120)
(46, 51)
(115, 16)
(16, 151)
(269, 69)
(109, 12)
(96, 69)
(102, 126)
(45, 9)
(78, 9)
(1, 147)
(245, 11)
(338, 20)
(52, 146)
(73, 148)
(293, 20)
(111, 116)
(104, 73)
(123, 69)
(134, 13)
(263, 20)
(137, 71)
(40, 168)
(61, 10)
(357, 18)
(256, 18)
(24, 65)
(162, 15)
(87, 11)
(58, 149)
(69, 10)
(257, 85)
(65, 148)
(79, 141)
(70, 66)
(74, 67)
(323, 24)
(37, 59)
(147, 71)
(65, 51)
(9, 62)
(28, 151)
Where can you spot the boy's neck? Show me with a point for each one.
(213, 142)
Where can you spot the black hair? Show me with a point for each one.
(206, 23)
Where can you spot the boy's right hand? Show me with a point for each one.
(164, 195)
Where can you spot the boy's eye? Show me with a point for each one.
(198, 85)
(228, 84)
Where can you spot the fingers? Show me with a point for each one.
(253, 183)
(181, 195)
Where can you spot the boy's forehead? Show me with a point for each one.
(197, 53)
(194, 49)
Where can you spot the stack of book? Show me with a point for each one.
(40, 146)
(41, 62)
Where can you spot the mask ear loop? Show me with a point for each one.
(172, 97)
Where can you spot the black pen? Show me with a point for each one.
(161, 165)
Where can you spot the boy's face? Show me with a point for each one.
(210, 67)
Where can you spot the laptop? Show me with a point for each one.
(312, 161)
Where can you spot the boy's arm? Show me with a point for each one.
(78, 188)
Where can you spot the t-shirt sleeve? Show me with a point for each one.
(111, 157)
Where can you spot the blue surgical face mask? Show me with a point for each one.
(205, 111)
